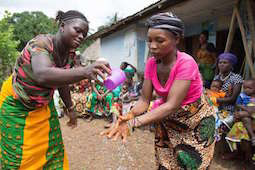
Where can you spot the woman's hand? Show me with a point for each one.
(98, 68)
(72, 119)
(119, 129)
(127, 117)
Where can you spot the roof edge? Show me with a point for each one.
(151, 9)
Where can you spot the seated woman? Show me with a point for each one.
(79, 100)
(101, 100)
(231, 86)
(243, 130)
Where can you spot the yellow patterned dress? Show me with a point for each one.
(238, 132)
(31, 137)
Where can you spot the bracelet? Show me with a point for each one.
(132, 123)
(131, 126)
(131, 115)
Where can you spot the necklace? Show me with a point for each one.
(225, 78)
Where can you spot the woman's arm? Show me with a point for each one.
(49, 76)
(231, 99)
(249, 109)
(144, 101)
(175, 97)
(65, 95)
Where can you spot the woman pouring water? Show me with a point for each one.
(184, 120)
(30, 130)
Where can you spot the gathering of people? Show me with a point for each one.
(92, 100)
(192, 102)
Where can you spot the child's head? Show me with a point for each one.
(216, 85)
(249, 87)
(124, 88)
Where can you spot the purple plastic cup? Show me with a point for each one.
(115, 79)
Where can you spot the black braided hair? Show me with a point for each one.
(167, 21)
(69, 15)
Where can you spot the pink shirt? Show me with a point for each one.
(185, 68)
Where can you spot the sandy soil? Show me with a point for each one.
(88, 150)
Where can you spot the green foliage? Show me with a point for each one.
(29, 24)
(8, 51)
(112, 20)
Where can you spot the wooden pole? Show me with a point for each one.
(231, 32)
(247, 54)
(251, 24)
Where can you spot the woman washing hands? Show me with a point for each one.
(184, 120)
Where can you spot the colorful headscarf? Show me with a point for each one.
(167, 21)
(228, 56)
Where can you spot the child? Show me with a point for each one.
(215, 92)
(116, 109)
(58, 104)
(88, 98)
(124, 91)
(242, 131)
(125, 99)
(100, 101)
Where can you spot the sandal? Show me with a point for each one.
(87, 117)
(108, 125)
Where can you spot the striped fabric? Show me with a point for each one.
(30, 93)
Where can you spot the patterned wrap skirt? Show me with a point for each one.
(237, 134)
(185, 139)
(30, 140)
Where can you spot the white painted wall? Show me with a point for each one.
(92, 52)
(120, 46)
(142, 48)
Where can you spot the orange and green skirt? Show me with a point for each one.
(30, 140)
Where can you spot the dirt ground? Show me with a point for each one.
(88, 150)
